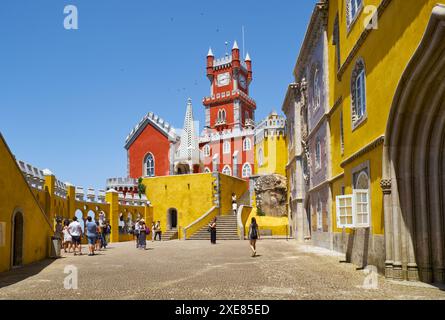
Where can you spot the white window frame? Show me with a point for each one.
(247, 144)
(207, 170)
(226, 147)
(227, 170)
(245, 167)
(260, 157)
(351, 16)
(206, 150)
(355, 212)
(360, 93)
(318, 153)
(152, 168)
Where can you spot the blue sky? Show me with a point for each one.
(69, 98)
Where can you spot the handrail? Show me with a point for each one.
(239, 220)
(208, 213)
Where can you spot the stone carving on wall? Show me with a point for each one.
(271, 195)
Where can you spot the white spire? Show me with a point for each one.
(235, 45)
(248, 57)
(188, 148)
(210, 54)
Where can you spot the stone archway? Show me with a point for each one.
(172, 219)
(17, 239)
(413, 164)
(182, 169)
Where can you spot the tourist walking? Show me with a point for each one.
(91, 235)
(103, 235)
(158, 231)
(212, 229)
(153, 231)
(75, 230)
(98, 237)
(234, 204)
(107, 232)
(254, 235)
(143, 232)
(67, 239)
(137, 229)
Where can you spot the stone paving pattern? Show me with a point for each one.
(194, 270)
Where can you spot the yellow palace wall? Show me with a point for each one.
(275, 155)
(386, 52)
(16, 196)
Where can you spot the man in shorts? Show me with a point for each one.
(75, 230)
(91, 227)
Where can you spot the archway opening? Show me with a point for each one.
(17, 246)
(413, 168)
(172, 219)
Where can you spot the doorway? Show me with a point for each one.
(17, 240)
(172, 219)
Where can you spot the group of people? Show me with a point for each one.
(71, 234)
(141, 231)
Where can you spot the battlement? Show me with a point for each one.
(227, 96)
(158, 122)
(215, 136)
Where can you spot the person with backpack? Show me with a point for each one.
(254, 235)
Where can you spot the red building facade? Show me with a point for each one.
(149, 147)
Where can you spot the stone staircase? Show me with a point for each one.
(170, 235)
(226, 229)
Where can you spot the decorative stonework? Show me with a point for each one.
(385, 184)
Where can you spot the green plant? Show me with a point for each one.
(141, 187)
(260, 212)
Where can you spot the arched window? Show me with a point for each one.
(247, 144)
(149, 165)
(362, 182)
(227, 171)
(247, 170)
(260, 157)
(316, 89)
(206, 150)
(318, 154)
(358, 93)
(207, 170)
(226, 147)
(221, 116)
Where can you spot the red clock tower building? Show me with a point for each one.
(227, 142)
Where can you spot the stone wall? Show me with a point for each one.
(271, 195)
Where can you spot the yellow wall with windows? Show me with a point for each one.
(274, 154)
(386, 53)
(16, 196)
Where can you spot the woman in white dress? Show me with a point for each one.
(67, 239)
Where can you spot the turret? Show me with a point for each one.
(210, 61)
(236, 62)
(249, 68)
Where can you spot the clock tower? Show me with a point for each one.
(229, 105)
(228, 139)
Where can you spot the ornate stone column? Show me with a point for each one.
(385, 184)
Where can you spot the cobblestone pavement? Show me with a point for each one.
(197, 270)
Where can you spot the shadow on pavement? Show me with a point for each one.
(22, 273)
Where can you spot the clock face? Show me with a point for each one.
(223, 79)
(242, 81)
